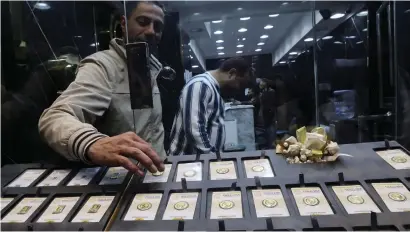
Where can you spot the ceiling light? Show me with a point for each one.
(243, 39)
(239, 52)
(221, 53)
(245, 18)
(264, 36)
(282, 62)
(365, 29)
(327, 37)
(293, 53)
(217, 21)
(93, 44)
(260, 44)
(239, 46)
(273, 15)
(359, 42)
(220, 48)
(218, 32)
(350, 37)
(195, 66)
(42, 6)
(308, 39)
(285, 3)
(258, 50)
(239, 8)
(268, 27)
(219, 41)
(293, 61)
(191, 57)
(242, 30)
(338, 42)
(196, 13)
(362, 13)
(337, 16)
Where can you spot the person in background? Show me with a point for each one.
(92, 121)
(199, 123)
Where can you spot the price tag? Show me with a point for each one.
(58, 209)
(269, 203)
(311, 201)
(226, 205)
(114, 175)
(158, 176)
(54, 178)
(189, 171)
(355, 199)
(23, 210)
(396, 158)
(84, 176)
(222, 170)
(94, 209)
(5, 202)
(143, 207)
(395, 195)
(27, 178)
(181, 206)
(258, 167)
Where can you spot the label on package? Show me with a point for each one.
(143, 207)
(84, 176)
(355, 199)
(269, 203)
(222, 170)
(395, 195)
(58, 209)
(54, 178)
(5, 202)
(189, 171)
(27, 178)
(23, 210)
(226, 205)
(114, 175)
(258, 167)
(158, 176)
(397, 158)
(181, 206)
(94, 209)
(311, 201)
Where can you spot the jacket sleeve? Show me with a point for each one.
(67, 125)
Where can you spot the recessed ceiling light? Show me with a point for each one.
(359, 42)
(258, 50)
(267, 27)
(350, 37)
(365, 29)
(196, 13)
(293, 53)
(195, 66)
(217, 21)
(362, 13)
(308, 39)
(245, 18)
(218, 32)
(264, 36)
(282, 62)
(338, 42)
(221, 53)
(239, 8)
(337, 16)
(220, 48)
(219, 41)
(239, 52)
(191, 57)
(273, 15)
(242, 30)
(243, 39)
(260, 44)
(42, 6)
(285, 3)
(327, 37)
(239, 46)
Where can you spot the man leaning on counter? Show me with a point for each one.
(92, 121)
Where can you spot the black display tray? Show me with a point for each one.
(364, 168)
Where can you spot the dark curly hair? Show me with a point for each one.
(131, 5)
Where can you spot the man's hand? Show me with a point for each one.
(113, 151)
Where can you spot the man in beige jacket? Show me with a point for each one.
(92, 120)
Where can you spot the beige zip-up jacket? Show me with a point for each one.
(97, 104)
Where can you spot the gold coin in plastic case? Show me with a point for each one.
(226, 204)
(181, 205)
(397, 196)
(222, 170)
(354, 199)
(190, 173)
(312, 201)
(157, 173)
(258, 168)
(399, 159)
(269, 203)
(144, 206)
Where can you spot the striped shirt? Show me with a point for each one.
(199, 122)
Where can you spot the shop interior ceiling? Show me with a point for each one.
(200, 20)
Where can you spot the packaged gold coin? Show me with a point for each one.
(94, 209)
(114, 175)
(189, 171)
(222, 170)
(143, 207)
(23, 210)
(181, 206)
(58, 209)
(258, 167)
(226, 205)
(27, 178)
(397, 158)
(158, 177)
(355, 199)
(311, 201)
(395, 195)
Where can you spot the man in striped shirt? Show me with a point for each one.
(199, 123)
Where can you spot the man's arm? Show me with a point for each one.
(195, 99)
